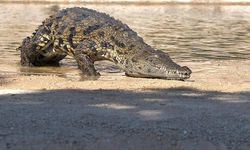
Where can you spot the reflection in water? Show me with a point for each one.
(187, 32)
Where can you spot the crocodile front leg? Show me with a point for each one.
(85, 63)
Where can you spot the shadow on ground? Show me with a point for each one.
(178, 118)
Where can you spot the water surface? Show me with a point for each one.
(189, 33)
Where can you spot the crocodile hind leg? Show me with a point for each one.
(84, 61)
(39, 52)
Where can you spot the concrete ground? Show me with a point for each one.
(176, 118)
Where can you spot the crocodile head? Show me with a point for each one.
(156, 65)
(138, 59)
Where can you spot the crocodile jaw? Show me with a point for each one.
(181, 73)
(156, 66)
(171, 74)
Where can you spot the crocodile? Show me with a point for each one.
(88, 36)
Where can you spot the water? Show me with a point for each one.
(189, 33)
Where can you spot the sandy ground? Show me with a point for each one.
(210, 111)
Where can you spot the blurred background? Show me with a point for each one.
(145, 1)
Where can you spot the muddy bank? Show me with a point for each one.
(224, 76)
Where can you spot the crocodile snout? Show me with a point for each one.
(187, 70)
(184, 72)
